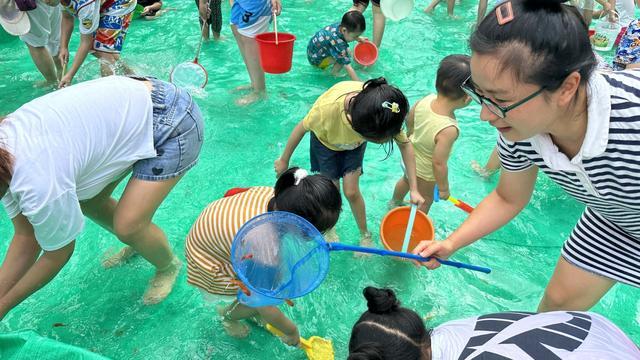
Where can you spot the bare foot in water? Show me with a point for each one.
(162, 283)
(233, 328)
(331, 236)
(251, 98)
(119, 258)
(245, 87)
(365, 241)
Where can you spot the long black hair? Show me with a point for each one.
(544, 43)
(315, 198)
(387, 331)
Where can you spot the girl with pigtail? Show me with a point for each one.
(341, 122)
(208, 244)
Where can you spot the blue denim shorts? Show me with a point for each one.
(335, 164)
(178, 132)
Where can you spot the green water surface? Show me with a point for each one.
(101, 310)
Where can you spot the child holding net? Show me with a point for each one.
(208, 244)
(341, 122)
(432, 128)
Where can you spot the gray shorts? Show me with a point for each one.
(178, 133)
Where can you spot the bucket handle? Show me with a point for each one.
(275, 26)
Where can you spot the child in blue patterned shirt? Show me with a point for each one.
(330, 45)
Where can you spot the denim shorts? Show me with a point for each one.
(334, 164)
(178, 132)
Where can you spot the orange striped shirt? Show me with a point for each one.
(208, 244)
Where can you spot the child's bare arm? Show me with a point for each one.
(86, 45)
(409, 161)
(281, 164)
(444, 143)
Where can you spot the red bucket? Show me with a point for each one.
(365, 53)
(275, 59)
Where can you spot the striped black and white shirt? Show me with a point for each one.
(605, 174)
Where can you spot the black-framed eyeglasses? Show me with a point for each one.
(500, 111)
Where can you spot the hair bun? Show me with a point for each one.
(380, 301)
(374, 83)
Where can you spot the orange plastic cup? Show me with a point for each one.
(394, 226)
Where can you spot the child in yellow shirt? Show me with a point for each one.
(341, 122)
(432, 129)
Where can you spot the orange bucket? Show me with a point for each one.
(394, 225)
(365, 53)
(275, 59)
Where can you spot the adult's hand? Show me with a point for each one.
(433, 249)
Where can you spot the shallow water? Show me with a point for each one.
(101, 310)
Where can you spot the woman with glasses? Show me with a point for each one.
(580, 127)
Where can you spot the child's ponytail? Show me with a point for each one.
(378, 111)
(314, 197)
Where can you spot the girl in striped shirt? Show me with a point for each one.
(208, 244)
(579, 126)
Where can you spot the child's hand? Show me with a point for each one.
(65, 81)
(280, 166)
(146, 11)
(362, 39)
(433, 249)
(276, 7)
(63, 55)
(292, 339)
(444, 194)
(416, 198)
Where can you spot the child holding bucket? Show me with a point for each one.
(330, 45)
(248, 19)
(341, 122)
(208, 244)
(432, 129)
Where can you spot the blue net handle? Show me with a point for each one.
(276, 292)
(343, 247)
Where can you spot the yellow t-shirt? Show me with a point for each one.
(208, 244)
(327, 119)
(426, 125)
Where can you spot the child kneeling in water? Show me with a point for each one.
(330, 45)
(432, 129)
(208, 244)
(341, 122)
(389, 331)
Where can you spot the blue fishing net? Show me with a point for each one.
(279, 255)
